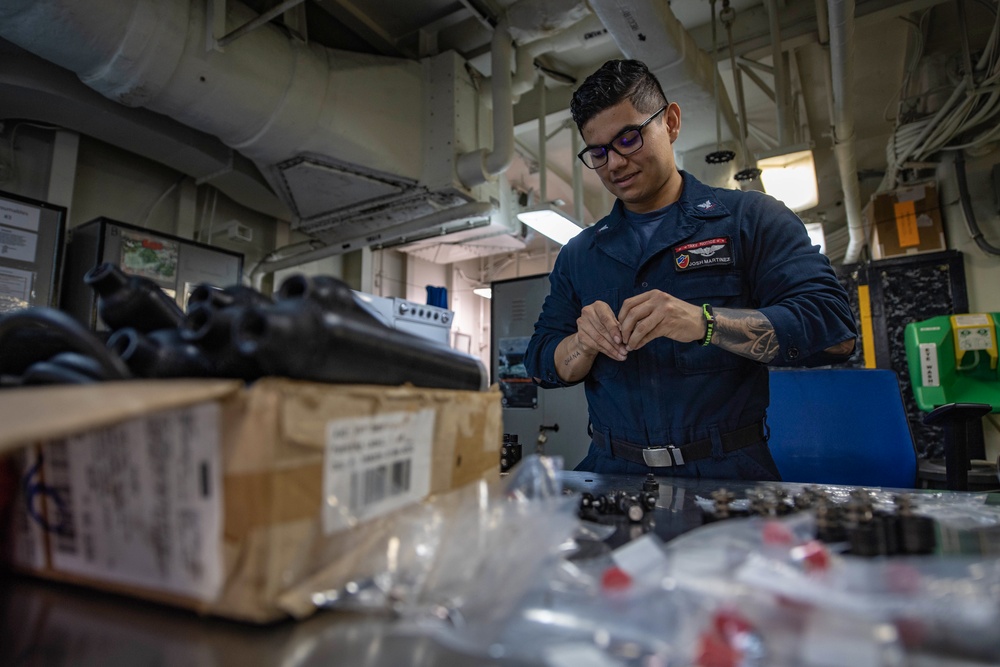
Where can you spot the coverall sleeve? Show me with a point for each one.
(795, 286)
(557, 321)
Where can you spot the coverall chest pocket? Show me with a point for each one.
(720, 290)
(605, 367)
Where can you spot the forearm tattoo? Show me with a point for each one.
(573, 356)
(746, 333)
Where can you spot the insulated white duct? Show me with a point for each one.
(477, 167)
(33, 88)
(340, 136)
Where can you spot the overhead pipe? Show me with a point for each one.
(543, 153)
(748, 173)
(780, 83)
(477, 167)
(823, 32)
(841, 27)
(586, 33)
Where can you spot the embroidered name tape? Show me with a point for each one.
(700, 254)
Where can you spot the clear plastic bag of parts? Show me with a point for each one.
(755, 592)
(467, 553)
(485, 570)
(810, 606)
(601, 611)
(608, 608)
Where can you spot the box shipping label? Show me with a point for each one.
(374, 465)
(138, 503)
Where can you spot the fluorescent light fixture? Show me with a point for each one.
(790, 176)
(816, 235)
(552, 222)
(485, 292)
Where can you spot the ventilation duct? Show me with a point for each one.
(36, 89)
(341, 137)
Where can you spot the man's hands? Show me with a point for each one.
(641, 319)
(656, 314)
(597, 330)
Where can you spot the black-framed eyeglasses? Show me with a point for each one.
(626, 143)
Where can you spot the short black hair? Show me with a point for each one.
(614, 82)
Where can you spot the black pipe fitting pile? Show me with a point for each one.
(314, 330)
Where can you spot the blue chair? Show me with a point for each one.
(841, 426)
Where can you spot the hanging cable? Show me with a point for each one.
(967, 119)
(966, 201)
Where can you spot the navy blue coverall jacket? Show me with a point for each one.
(727, 248)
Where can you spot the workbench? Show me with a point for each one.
(51, 624)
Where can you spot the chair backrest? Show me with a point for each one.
(841, 426)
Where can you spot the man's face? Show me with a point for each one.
(648, 178)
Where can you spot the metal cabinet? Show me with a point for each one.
(559, 416)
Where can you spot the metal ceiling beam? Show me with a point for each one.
(753, 76)
(426, 36)
(259, 21)
(751, 30)
(365, 26)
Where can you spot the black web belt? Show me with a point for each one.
(673, 455)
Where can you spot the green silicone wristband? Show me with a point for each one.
(709, 324)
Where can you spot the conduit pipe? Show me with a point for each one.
(780, 82)
(823, 31)
(543, 153)
(587, 32)
(477, 167)
(841, 17)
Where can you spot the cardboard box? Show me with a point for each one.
(906, 221)
(220, 498)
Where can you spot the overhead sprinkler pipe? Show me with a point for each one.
(477, 167)
(841, 17)
(748, 173)
(718, 156)
(780, 81)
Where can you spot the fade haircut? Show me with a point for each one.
(614, 82)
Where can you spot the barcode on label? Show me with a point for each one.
(374, 465)
(370, 486)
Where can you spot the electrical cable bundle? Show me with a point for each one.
(967, 119)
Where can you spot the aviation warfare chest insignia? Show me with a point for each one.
(701, 254)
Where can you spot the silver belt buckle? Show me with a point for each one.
(663, 457)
